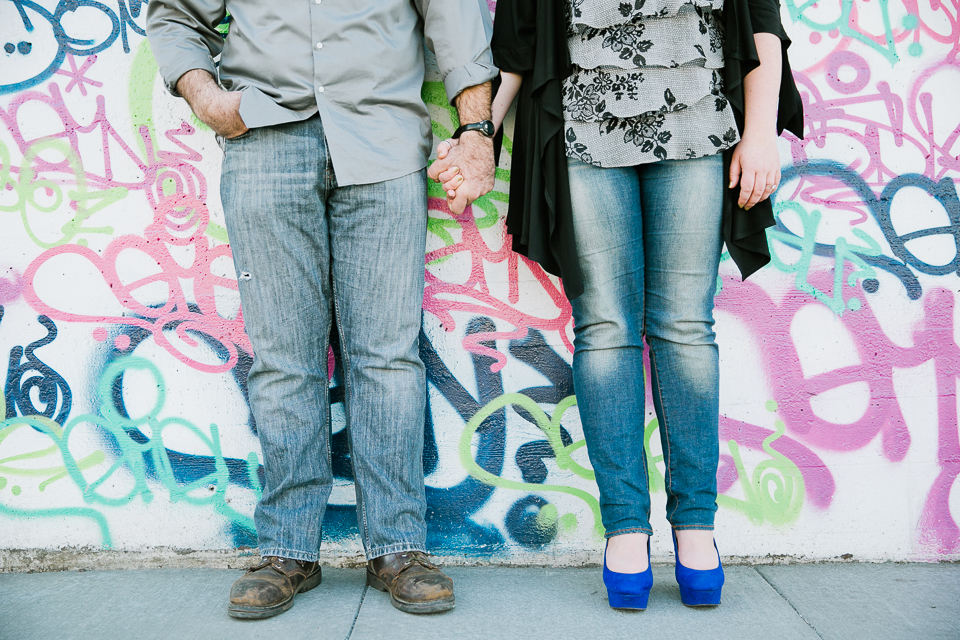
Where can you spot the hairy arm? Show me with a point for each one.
(216, 108)
(756, 162)
(506, 94)
(469, 164)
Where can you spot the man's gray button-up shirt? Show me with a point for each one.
(359, 63)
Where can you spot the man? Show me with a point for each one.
(317, 106)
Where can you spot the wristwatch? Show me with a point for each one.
(484, 127)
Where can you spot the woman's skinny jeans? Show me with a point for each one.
(649, 241)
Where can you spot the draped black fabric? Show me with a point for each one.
(744, 232)
(529, 38)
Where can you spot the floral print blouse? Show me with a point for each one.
(647, 82)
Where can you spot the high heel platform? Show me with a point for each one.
(699, 587)
(628, 590)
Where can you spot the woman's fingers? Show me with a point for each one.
(443, 149)
(448, 175)
(452, 185)
(734, 169)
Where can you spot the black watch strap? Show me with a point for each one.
(484, 127)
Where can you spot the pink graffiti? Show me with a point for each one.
(180, 221)
(933, 153)
(78, 77)
(879, 358)
(151, 170)
(473, 295)
(10, 287)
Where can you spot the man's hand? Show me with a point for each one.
(216, 108)
(466, 167)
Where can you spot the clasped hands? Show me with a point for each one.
(465, 168)
(466, 171)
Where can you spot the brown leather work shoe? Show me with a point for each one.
(416, 585)
(268, 588)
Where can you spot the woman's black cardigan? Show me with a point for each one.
(529, 38)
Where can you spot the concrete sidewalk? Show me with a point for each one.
(842, 601)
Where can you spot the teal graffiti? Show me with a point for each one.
(844, 252)
(136, 451)
(845, 25)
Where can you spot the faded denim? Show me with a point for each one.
(649, 242)
(308, 252)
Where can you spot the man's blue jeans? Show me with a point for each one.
(648, 241)
(309, 252)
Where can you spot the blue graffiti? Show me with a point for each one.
(26, 373)
(904, 261)
(29, 41)
(449, 509)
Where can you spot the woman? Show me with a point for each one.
(632, 116)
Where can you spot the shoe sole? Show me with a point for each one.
(695, 599)
(432, 606)
(632, 601)
(257, 613)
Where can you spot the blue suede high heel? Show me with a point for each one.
(628, 590)
(698, 587)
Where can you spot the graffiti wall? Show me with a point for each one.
(124, 423)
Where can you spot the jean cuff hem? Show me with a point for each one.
(620, 532)
(697, 527)
(289, 553)
(399, 547)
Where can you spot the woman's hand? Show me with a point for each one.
(756, 166)
(756, 163)
(451, 178)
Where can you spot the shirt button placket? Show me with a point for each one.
(319, 46)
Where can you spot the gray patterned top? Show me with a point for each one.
(647, 82)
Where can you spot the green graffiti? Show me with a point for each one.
(551, 429)
(774, 493)
(844, 252)
(844, 25)
(41, 196)
(50, 474)
(654, 477)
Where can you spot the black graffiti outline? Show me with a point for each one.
(51, 386)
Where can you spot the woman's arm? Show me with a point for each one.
(506, 94)
(509, 88)
(756, 162)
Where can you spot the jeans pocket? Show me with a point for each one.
(245, 134)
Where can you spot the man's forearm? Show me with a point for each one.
(473, 103)
(215, 107)
(472, 157)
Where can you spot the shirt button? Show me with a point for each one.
(319, 45)
(317, 1)
(320, 89)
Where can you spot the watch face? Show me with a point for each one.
(487, 129)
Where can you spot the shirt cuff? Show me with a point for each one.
(469, 75)
(186, 62)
